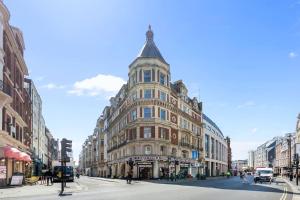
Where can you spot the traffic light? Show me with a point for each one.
(66, 147)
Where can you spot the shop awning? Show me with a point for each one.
(13, 153)
(10, 152)
(25, 157)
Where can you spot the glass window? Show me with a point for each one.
(148, 150)
(162, 96)
(147, 76)
(207, 145)
(147, 132)
(133, 115)
(147, 113)
(134, 96)
(163, 133)
(147, 94)
(162, 114)
(162, 78)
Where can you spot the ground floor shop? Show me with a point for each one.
(15, 163)
(153, 167)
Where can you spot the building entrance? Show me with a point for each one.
(145, 172)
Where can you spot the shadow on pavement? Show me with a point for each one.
(233, 183)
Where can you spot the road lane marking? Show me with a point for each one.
(284, 195)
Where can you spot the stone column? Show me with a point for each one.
(190, 170)
(155, 169)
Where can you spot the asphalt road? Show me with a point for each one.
(225, 189)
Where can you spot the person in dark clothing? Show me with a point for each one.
(129, 177)
(48, 175)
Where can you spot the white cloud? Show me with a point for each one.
(102, 84)
(292, 55)
(254, 130)
(52, 86)
(246, 104)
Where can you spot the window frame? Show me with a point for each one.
(147, 79)
(149, 113)
(147, 134)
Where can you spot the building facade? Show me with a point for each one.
(298, 129)
(265, 154)
(15, 104)
(39, 138)
(285, 149)
(251, 160)
(153, 122)
(239, 165)
(229, 154)
(215, 149)
(150, 122)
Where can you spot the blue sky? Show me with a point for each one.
(241, 57)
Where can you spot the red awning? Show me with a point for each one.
(13, 153)
(10, 152)
(25, 157)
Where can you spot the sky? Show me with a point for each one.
(241, 58)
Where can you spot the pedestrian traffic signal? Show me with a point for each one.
(66, 147)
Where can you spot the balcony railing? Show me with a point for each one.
(117, 146)
(185, 144)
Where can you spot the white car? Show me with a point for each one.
(263, 175)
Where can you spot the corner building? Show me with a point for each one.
(153, 121)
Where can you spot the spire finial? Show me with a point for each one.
(149, 33)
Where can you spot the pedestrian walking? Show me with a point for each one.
(48, 175)
(129, 177)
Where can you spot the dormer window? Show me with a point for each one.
(147, 76)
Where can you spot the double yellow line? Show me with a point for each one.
(284, 195)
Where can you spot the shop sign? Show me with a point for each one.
(145, 166)
(2, 172)
(184, 165)
(16, 180)
(146, 158)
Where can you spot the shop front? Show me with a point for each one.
(145, 170)
(13, 166)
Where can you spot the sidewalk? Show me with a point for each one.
(294, 187)
(37, 190)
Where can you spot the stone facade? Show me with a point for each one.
(151, 121)
(215, 149)
(15, 103)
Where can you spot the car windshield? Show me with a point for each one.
(67, 169)
(264, 171)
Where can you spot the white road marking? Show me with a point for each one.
(284, 195)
